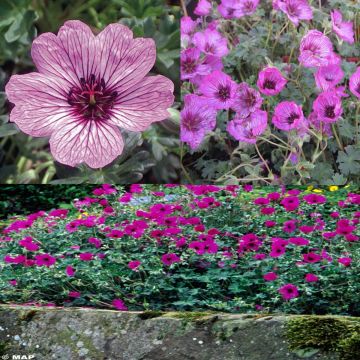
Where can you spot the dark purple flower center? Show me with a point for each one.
(92, 99)
(188, 66)
(269, 84)
(223, 93)
(191, 122)
(249, 99)
(209, 48)
(293, 116)
(230, 11)
(330, 111)
(358, 88)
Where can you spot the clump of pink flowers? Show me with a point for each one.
(257, 110)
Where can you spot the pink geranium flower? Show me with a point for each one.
(119, 305)
(191, 64)
(270, 276)
(327, 77)
(74, 294)
(133, 265)
(247, 130)
(86, 88)
(203, 7)
(197, 119)
(343, 29)
(70, 271)
(219, 89)
(354, 83)
(44, 260)
(247, 100)
(346, 261)
(289, 291)
(316, 50)
(296, 10)
(169, 259)
(270, 81)
(86, 256)
(328, 106)
(211, 42)
(311, 278)
(288, 116)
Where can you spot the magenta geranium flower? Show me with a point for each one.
(119, 305)
(247, 130)
(296, 10)
(134, 264)
(316, 50)
(247, 100)
(328, 106)
(203, 7)
(311, 278)
(169, 259)
(247, 7)
(289, 291)
(354, 83)
(270, 276)
(343, 29)
(288, 115)
(211, 42)
(191, 64)
(187, 25)
(219, 89)
(229, 9)
(86, 88)
(271, 81)
(197, 119)
(44, 260)
(327, 77)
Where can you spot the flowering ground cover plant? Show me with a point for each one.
(271, 91)
(200, 247)
(91, 97)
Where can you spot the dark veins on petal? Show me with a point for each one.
(92, 100)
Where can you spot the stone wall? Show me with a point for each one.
(87, 334)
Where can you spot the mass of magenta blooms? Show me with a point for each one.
(189, 247)
(276, 81)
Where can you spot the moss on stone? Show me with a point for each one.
(327, 333)
(150, 314)
(27, 315)
(191, 316)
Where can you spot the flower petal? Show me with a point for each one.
(95, 143)
(123, 60)
(70, 55)
(144, 103)
(40, 102)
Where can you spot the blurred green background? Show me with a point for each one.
(150, 157)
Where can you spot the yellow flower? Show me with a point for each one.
(317, 191)
(309, 188)
(333, 188)
(84, 214)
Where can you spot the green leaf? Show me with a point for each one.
(8, 129)
(306, 353)
(349, 161)
(21, 25)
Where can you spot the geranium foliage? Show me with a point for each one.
(189, 247)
